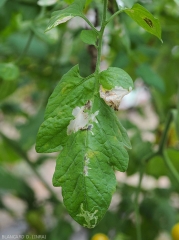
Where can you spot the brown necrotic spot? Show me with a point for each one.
(149, 22)
(88, 105)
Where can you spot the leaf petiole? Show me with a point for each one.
(90, 24)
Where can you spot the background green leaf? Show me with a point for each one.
(9, 71)
(150, 77)
(2, 3)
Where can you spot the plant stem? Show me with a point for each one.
(26, 48)
(151, 155)
(90, 24)
(137, 215)
(114, 15)
(100, 40)
(164, 136)
(170, 166)
(15, 146)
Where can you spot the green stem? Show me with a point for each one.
(15, 146)
(149, 156)
(164, 136)
(170, 166)
(26, 48)
(42, 13)
(114, 15)
(162, 141)
(100, 40)
(137, 214)
(90, 24)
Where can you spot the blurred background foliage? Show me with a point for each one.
(31, 64)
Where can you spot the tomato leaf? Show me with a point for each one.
(145, 19)
(114, 76)
(92, 141)
(61, 16)
(89, 37)
(115, 84)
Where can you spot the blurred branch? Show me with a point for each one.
(165, 133)
(15, 146)
(170, 166)
(150, 156)
(137, 215)
(161, 150)
(114, 15)
(26, 48)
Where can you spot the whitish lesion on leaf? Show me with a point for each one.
(114, 96)
(89, 217)
(83, 119)
(86, 167)
(62, 20)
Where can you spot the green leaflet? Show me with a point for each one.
(92, 142)
(71, 91)
(113, 77)
(145, 19)
(61, 16)
(115, 84)
(89, 37)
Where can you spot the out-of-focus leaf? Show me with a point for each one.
(37, 49)
(34, 219)
(13, 184)
(150, 77)
(145, 19)
(9, 71)
(125, 3)
(177, 118)
(50, 37)
(156, 166)
(162, 213)
(7, 88)
(12, 109)
(7, 154)
(2, 2)
(29, 130)
(69, 1)
(62, 229)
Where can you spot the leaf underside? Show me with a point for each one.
(92, 142)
